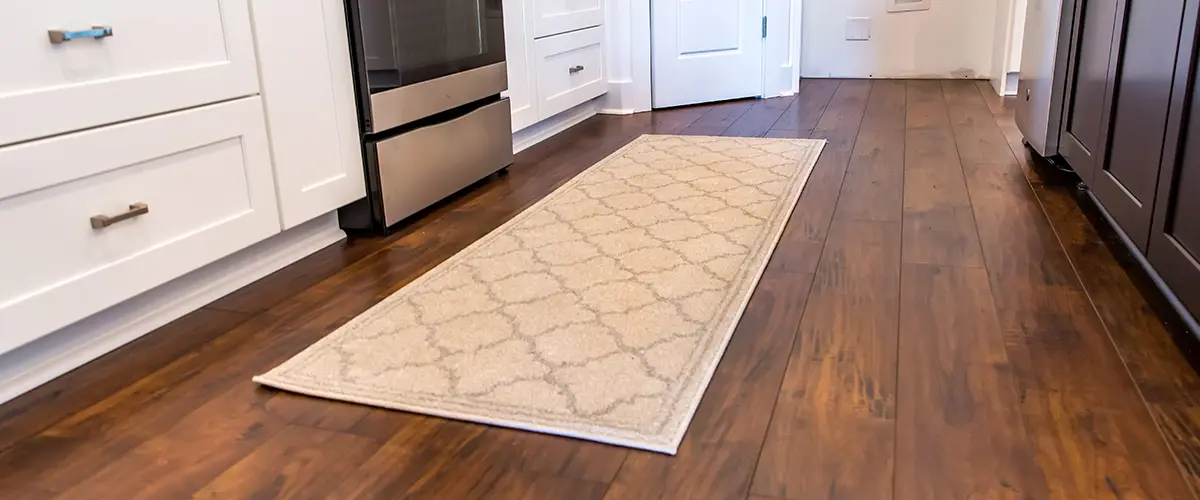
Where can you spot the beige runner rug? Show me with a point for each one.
(600, 312)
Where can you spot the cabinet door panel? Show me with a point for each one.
(158, 57)
(1128, 177)
(1174, 248)
(553, 17)
(1175, 243)
(310, 106)
(522, 88)
(1083, 138)
(1186, 229)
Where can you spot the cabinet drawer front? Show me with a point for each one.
(160, 56)
(552, 17)
(202, 175)
(570, 70)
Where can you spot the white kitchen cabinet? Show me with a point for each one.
(555, 54)
(518, 48)
(570, 70)
(160, 56)
(552, 17)
(96, 217)
(308, 94)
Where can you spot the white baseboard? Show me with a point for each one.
(626, 95)
(1007, 84)
(1011, 80)
(48, 357)
(614, 111)
(547, 128)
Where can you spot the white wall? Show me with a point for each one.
(954, 38)
(1006, 54)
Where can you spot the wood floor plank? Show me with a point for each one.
(411, 458)
(944, 235)
(933, 173)
(959, 433)
(971, 117)
(993, 100)
(166, 465)
(1169, 385)
(1143, 339)
(297, 462)
(804, 236)
(719, 117)
(717, 457)
(566, 457)
(42, 407)
(518, 485)
(832, 432)
(872, 186)
(839, 126)
(939, 226)
(801, 117)
(1093, 432)
(756, 121)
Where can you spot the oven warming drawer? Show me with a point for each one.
(420, 167)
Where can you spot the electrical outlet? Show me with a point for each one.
(858, 28)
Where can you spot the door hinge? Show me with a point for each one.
(764, 26)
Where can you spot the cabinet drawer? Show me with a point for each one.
(203, 174)
(552, 17)
(161, 56)
(570, 70)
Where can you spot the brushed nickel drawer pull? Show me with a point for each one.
(575, 69)
(103, 221)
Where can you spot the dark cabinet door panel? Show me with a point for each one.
(1128, 177)
(1185, 226)
(1174, 248)
(1090, 79)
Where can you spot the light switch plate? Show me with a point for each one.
(858, 28)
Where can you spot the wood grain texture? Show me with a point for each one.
(832, 433)
(873, 185)
(1091, 427)
(36, 410)
(839, 127)
(719, 117)
(1114, 283)
(939, 226)
(958, 429)
(801, 117)
(759, 119)
(961, 329)
(297, 462)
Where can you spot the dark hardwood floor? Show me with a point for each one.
(941, 320)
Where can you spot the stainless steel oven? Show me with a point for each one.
(429, 76)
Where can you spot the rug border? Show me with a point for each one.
(671, 447)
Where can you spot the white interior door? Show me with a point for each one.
(706, 50)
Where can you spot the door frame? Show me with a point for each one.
(628, 53)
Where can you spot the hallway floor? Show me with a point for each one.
(940, 320)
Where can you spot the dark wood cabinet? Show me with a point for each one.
(1089, 91)
(1174, 247)
(1132, 130)
(1126, 181)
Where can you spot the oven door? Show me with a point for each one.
(412, 51)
